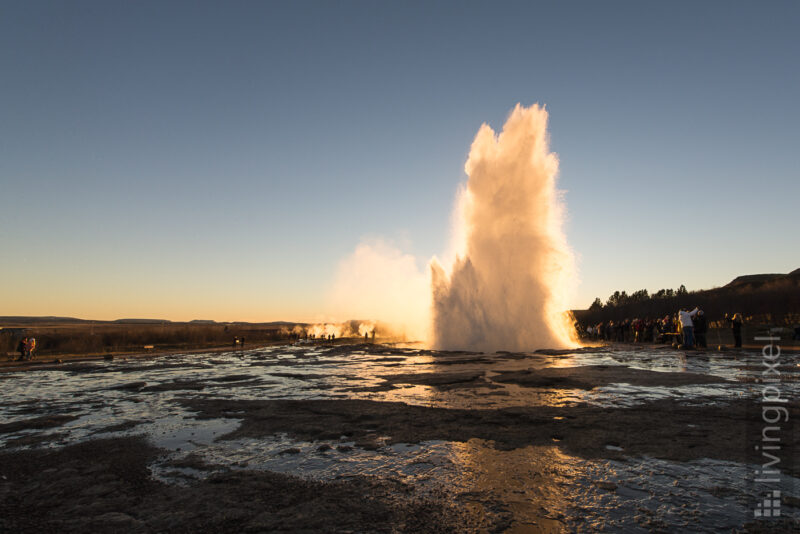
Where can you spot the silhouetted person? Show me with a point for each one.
(700, 329)
(235, 342)
(685, 318)
(31, 347)
(736, 326)
(241, 341)
(21, 347)
(639, 333)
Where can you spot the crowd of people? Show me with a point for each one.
(26, 348)
(687, 328)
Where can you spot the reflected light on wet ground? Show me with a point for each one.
(527, 489)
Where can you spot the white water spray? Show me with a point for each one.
(510, 272)
(509, 285)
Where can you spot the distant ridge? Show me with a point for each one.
(23, 319)
(761, 279)
(771, 298)
(141, 321)
(41, 319)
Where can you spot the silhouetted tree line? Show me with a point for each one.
(776, 301)
(621, 298)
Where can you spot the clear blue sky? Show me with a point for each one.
(217, 160)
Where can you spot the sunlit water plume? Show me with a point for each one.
(507, 278)
(510, 283)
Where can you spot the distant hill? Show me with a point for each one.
(141, 321)
(767, 298)
(39, 320)
(758, 280)
(21, 319)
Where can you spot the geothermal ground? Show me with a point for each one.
(355, 438)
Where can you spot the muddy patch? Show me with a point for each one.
(119, 427)
(442, 381)
(593, 376)
(233, 378)
(300, 376)
(177, 385)
(106, 486)
(36, 423)
(35, 440)
(130, 386)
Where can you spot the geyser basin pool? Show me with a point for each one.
(622, 438)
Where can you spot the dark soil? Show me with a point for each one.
(177, 385)
(584, 377)
(47, 421)
(442, 381)
(592, 376)
(105, 486)
(119, 427)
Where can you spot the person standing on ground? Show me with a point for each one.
(685, 318)
(736, 325)
(31, 346)
(700, 329)
(22, 346)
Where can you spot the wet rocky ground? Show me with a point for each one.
(375, 438)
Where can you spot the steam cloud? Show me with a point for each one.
(337, 330)
(379, 282)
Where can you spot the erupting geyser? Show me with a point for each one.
(509, 284)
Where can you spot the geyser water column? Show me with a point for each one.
(509, 284)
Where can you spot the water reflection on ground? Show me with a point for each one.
(534, 488)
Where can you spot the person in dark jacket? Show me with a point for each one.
(736, 325)
(700, 329)
(22, 346)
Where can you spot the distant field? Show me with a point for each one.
(98, 337)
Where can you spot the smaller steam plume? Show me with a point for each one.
(347, 329)
(380, 282)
